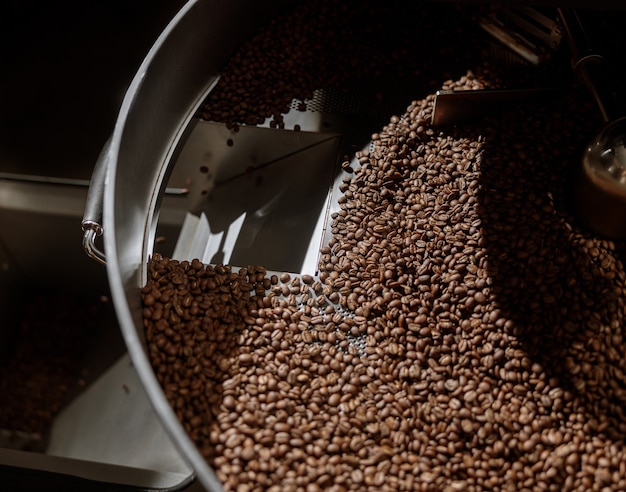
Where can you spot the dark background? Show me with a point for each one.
(64, 70)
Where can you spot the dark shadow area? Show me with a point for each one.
(54, 352)
(65, 69)
(560, 284)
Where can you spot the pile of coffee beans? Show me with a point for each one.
(343, 46)
(463, 333)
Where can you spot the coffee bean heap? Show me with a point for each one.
(342, 46)
(458, 248)
(464, 333)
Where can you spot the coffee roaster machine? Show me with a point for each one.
(65, 69)
(63, 104)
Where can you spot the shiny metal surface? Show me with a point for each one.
(65, 71)
(174, 78)
(152, 126)
(254, 211)
(453, 107)
(91, 231)
(605, 158)
(116, 402)
(600, 187)
(92, 217)
(524, 30)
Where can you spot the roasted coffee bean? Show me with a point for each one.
(464, 333)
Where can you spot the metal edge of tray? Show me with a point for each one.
(173, 79)
(83, 474)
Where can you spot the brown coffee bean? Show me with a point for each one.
(463, 334)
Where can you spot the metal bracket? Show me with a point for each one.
(525, 31)
(92, 218)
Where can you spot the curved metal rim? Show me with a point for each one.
(134, 345)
